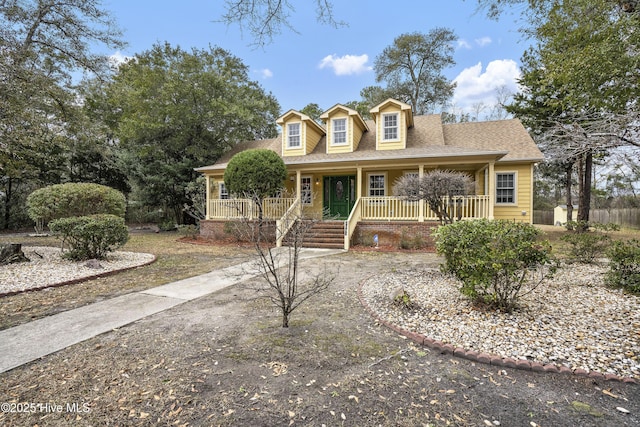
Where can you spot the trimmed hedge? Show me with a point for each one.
(92, 236)
(74, 200)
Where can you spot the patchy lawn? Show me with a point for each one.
(224, 360)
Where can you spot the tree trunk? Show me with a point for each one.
(11, 253)
(569, 171)
(7, 203)
(585, 191)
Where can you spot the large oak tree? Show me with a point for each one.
(173, 110)
(43, 43)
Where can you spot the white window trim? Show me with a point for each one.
(382, 117)
(302, 178)
(222, 187)
(299, 135)
(515, 188)
(346, 131)
(386, 184)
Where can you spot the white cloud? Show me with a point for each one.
(483, 41)
(346, 65)
(265, 73)
(118, 58)
(475, 86)
(462, 43)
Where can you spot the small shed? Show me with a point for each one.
(560, 214)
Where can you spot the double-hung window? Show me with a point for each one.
(377, 185)
(339, 131)
(506, 187)
(222, 191)
(390, 127)
(293, 135)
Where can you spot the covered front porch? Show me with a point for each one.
(353, 194)
(383, 209)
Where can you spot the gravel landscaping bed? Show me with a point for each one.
(47, 268)
(571, 320)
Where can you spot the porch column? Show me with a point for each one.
(208, 198)
(421, 201)
(299, 191)
(492, 188)
(359, 183)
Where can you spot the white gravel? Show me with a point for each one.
(47, 268)
(572, 319)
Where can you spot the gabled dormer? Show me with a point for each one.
(300, 133)
(392, 119)
(344, 129)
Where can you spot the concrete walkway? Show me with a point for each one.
(30, 341)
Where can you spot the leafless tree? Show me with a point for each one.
(286, 283)
(265, 18)
(439, 188)
(574, 141)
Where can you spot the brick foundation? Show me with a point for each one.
(393, 233)
(390, 233)
(212, 229)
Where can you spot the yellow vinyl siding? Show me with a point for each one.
(314, 210)
(311, 138)
(523, 201)
(356, 134)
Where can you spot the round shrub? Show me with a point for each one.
(495, 260)
(256, 173)
(624, 265)
(73, 200)
(92, 236)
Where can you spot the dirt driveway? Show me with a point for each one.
(224, 360)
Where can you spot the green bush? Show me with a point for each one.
(91, 236)
(495, 260)
(255, 173)
(624, 265)
(74, 200)
(588, 241)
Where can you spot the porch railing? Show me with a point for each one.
(272, 208)
(401, 209)
(284, 224)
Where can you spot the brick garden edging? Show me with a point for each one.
(486, 358)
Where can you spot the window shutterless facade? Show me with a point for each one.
(377, 185)
(222, 191)
(339, 127)
(293, 135)
(505, 188)
(390, 127)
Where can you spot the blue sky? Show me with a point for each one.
(324, 65)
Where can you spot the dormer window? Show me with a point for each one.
(339, 127)
(390, 127)
(293, 135)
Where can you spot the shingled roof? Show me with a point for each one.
(507, 140)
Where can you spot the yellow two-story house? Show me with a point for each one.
(344, 170)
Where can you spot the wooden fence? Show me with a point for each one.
(629, 218)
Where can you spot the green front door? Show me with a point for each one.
(339, 196)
